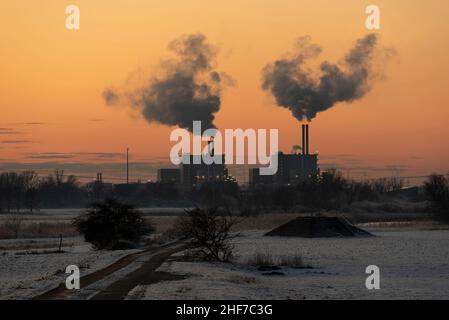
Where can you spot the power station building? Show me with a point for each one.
(292, 168)
(193, 171)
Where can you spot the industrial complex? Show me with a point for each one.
(294, 167)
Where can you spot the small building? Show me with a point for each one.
(169, 175)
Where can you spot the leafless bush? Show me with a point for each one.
(209, 231)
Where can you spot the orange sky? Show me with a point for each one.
(51, 80)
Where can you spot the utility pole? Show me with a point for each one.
(127, 165)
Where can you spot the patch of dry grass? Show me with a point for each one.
(38, 230)
(267, 260)
(291, 261)
(261, 260)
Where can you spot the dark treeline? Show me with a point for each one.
(330, 191)
(437, 190)
(27, 191)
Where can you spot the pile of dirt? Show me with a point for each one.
(318, 227)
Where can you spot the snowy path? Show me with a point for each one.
(117, 279)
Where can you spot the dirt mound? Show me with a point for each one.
(318, 227)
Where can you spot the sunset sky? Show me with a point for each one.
(51, 81)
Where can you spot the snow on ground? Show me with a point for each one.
(27, 273)
(414, 264)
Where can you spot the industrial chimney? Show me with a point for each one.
(307, 139)
(303, 139)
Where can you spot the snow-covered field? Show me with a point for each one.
(27, 273)
(414, 264)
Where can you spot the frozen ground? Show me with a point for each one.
(27, 273)
(414, 264)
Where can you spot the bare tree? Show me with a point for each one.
(209, 231)
(31, 184)
(10, 190)
(437, 189)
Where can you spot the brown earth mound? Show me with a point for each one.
(318, 227)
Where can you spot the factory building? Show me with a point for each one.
(193, 170)
(196, 171)
(292, 168)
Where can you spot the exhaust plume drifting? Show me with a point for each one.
(306, 93)
(188, 90)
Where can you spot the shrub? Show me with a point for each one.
(209, 231)
(110, 224)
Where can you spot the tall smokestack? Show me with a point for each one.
(307, 139)
(303, 139)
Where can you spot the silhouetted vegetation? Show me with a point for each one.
(209, 232)
(18, 190)
(60, 191)
(28, 191)
(216, 194)
(329, 191)
(112, 225)
(437, 189)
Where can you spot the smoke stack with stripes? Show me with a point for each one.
(305, 139)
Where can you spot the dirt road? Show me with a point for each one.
(144, 274)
